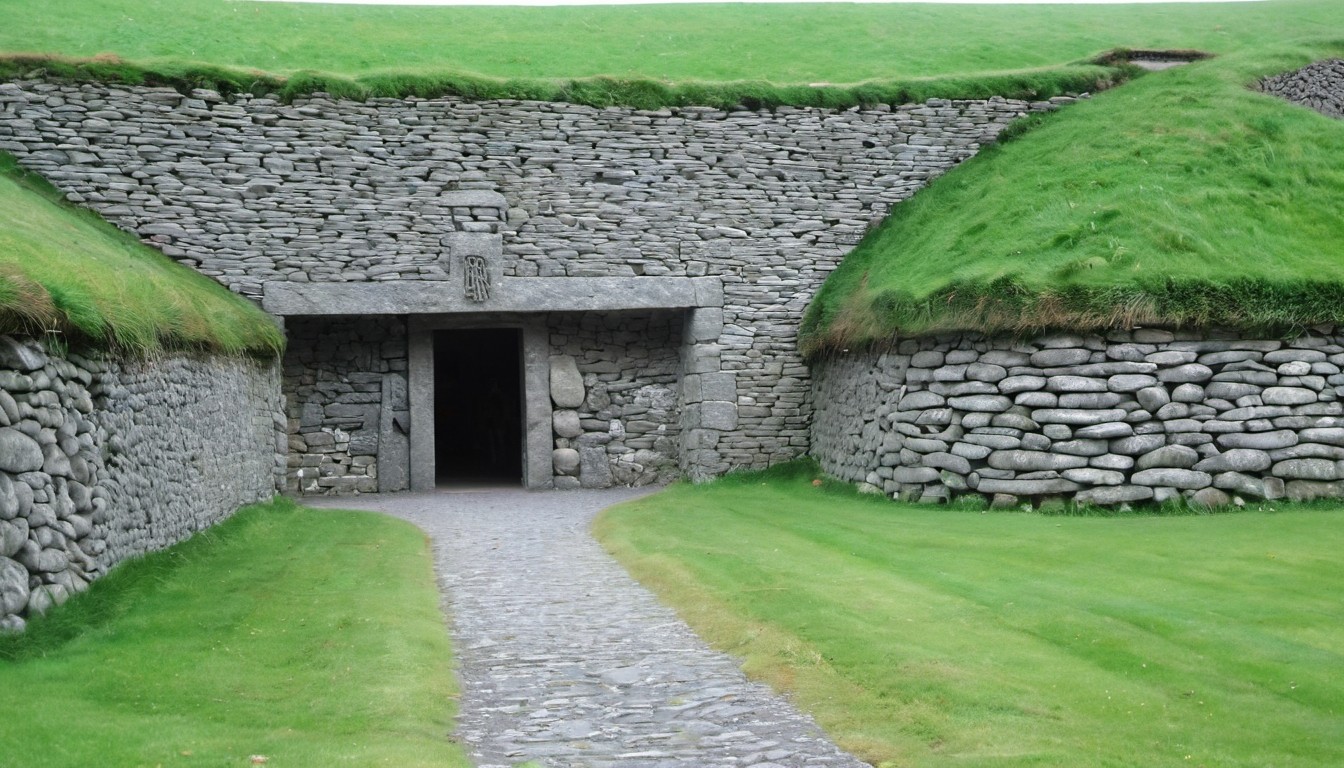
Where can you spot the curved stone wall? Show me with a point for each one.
(102, 459)
(1134, 417)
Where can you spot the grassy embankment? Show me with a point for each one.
(642, 56)
(931, 636)
(65, 270)
(1184, 198)
(311, 638)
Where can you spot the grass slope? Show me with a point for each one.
(64, 269)
(312, 638)
(924, 636)
(1183, 198)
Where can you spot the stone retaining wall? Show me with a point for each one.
(615, 384)
(342, 379)
(102, 459)
(1135, 417)
(260, 194)
(1319, 86)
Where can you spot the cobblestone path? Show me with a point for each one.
(566, 661)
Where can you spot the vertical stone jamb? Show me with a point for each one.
(709, 394)
(537, 473)
(420, 348)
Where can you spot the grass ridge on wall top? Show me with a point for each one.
(636, 92)
(67, 275)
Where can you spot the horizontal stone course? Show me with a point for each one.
(1208, 420)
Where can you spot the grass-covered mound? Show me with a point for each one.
(65, 270)
(937, 636)
(800, 43)
(312, 638)
(1184, 198)
(643, 56)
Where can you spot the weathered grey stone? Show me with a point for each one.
(21, 356)
(1138, 444)
(565, 423)
(1041, 487)
(1106, 496)
(1262, 441)
(1178, 456)
(1076, 417)
(1090, 400)
(1167, 477)
(1189, 373)
(1288, 396)
(949, 462)
(594, 469)
(1021, 383)
(1080, 447)
(1210, 498)
(1108, 430)
(1094, 476)
(19, 452)
(1050, 358)
(1188, 393)
(987, 372)
(1308, 490)
(981, 403)
(1111, 461)
(1074, 384)
(1235, 460)
(567, 389)
(565, 461)
(1131, 382)
(920, 400)
(1328, 435)
(1322, 470)
(13, 587)
(914, 474)
(1030, 461)
(1153, 398)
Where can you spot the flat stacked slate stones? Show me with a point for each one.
(1141, 416)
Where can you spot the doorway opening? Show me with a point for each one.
(478, 405)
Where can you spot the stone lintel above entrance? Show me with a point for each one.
(513, 294)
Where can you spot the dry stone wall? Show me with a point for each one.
(1319, 86)
(616, 391)
(102, 459)
(342, 380)
(1134, 417)
(252, 191)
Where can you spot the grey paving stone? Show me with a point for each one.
(567, 661)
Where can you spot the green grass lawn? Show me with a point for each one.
(781, 43)
(932, 636)
(1182, 198)
(313, 638)
(67, 270)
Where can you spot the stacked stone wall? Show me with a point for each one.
(1145, 416)
(252, 191)
(615, 388)
(340, 377)
(102, 459)
(1319, 86)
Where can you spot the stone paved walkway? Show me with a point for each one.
(566, 661)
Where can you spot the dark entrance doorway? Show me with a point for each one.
(478, 405)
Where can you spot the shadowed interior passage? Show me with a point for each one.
(478, 404)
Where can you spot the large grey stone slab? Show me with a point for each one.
(513, 294)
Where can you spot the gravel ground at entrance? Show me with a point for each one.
(567, 661)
